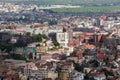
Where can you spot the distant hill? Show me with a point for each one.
(72, 2)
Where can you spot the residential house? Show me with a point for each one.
(39, 72)
(77, 76)
(55, 29)
(14, 63)
(100, 76)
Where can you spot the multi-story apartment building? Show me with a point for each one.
(63, 38)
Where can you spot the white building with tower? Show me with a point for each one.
(62, 38)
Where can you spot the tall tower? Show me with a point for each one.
(70, 36)
(70, 33)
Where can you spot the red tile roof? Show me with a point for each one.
(101, 55)
(89, 46)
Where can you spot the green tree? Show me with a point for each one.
(7, 57)
(30, 56)
(18, 57)
(58, 69)
(55, 43)
(107, 73)
(28, 33)
(36, 38)
(44, 36)
(78, 67)
(15, 56)
(7, 47)
(20, 43)
(37, 45)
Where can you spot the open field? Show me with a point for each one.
(88, 9)
(66, 2)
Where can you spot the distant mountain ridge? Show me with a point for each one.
(72, 2)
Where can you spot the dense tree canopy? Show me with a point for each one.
(16, 57)
(6, 46)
